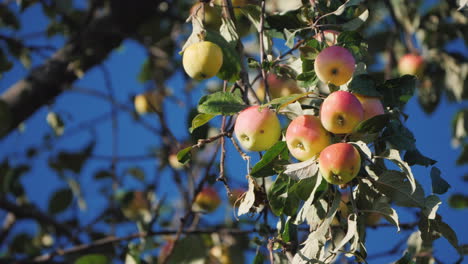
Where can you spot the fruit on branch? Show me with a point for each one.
(339, 163)
(148, 102)
(212, 18)
(372, 219)
(278, 87)
(334, 65)
(372, 106)
(306, 137)
(207, 200)
(236, 194)
(136, 206)
(174, 161)
(331, 36)
(202, 60)
(411, 64)
(341, 112)
(257, 130)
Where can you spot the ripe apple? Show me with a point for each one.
(331, 36)
(306, 137)
(341, 112)
(257, 130)
(411, 64)
(339, 163)
(278, 87)
(148, 102)
(372, 106)
(334, 65)
(207, 199)
(235, 195)
(202, 60)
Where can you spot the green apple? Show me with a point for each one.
(202, 60)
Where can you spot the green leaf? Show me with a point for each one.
(431, 205)
(414, 157)
(302, 170)
(304, 187)
(350, 233)
(93, 259)
(394, 184)
(289, 232)
(189, 250)
(374, 124)
(458, 201)
(221, 103)
(200, 120)
(363, 84)
(265, 167)
(231, 60)
(356, 22)
(349, 38)
(259, 258)
(399, 136)
(439, 185)
(280, 200)
(308, 79)
(60, 201)
(394, 156)
(319, 185)
(388, 212)
(146, 72)
(397, 92)
(284, 101)
(184, 155)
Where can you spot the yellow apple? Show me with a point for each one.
(334, 65)
(257, 130)
(202, 60)
(339, 163)
(148, 102)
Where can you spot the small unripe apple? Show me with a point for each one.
(334, 65)
(331, 36)
(372, 106)
(411, 64)
(341, 112)
(202, 60)
(207, 199)
(278, 87)
(306, 137)
(339, 163)
(257, 130)
(212, 19)
(148, 102)
(236, 194)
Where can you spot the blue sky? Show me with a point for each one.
(433, 134)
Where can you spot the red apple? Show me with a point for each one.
(341, 112)
(306, 137)
(334, 65)
(207, 199)
(257, 130)
(411, 64)
(339, 163)
(372, 106)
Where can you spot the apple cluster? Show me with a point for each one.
(258, 128)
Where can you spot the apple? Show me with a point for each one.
(372, 219)
(411, 64)
(278, 87)
(339, 163)
(331, 36)
(257, 130)
(334, 65)
(202, 60)
(207, 199)
(148, 102)
(236, 194)
(372, 106)
(212, 19)
(306, 137)
(341, 112)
